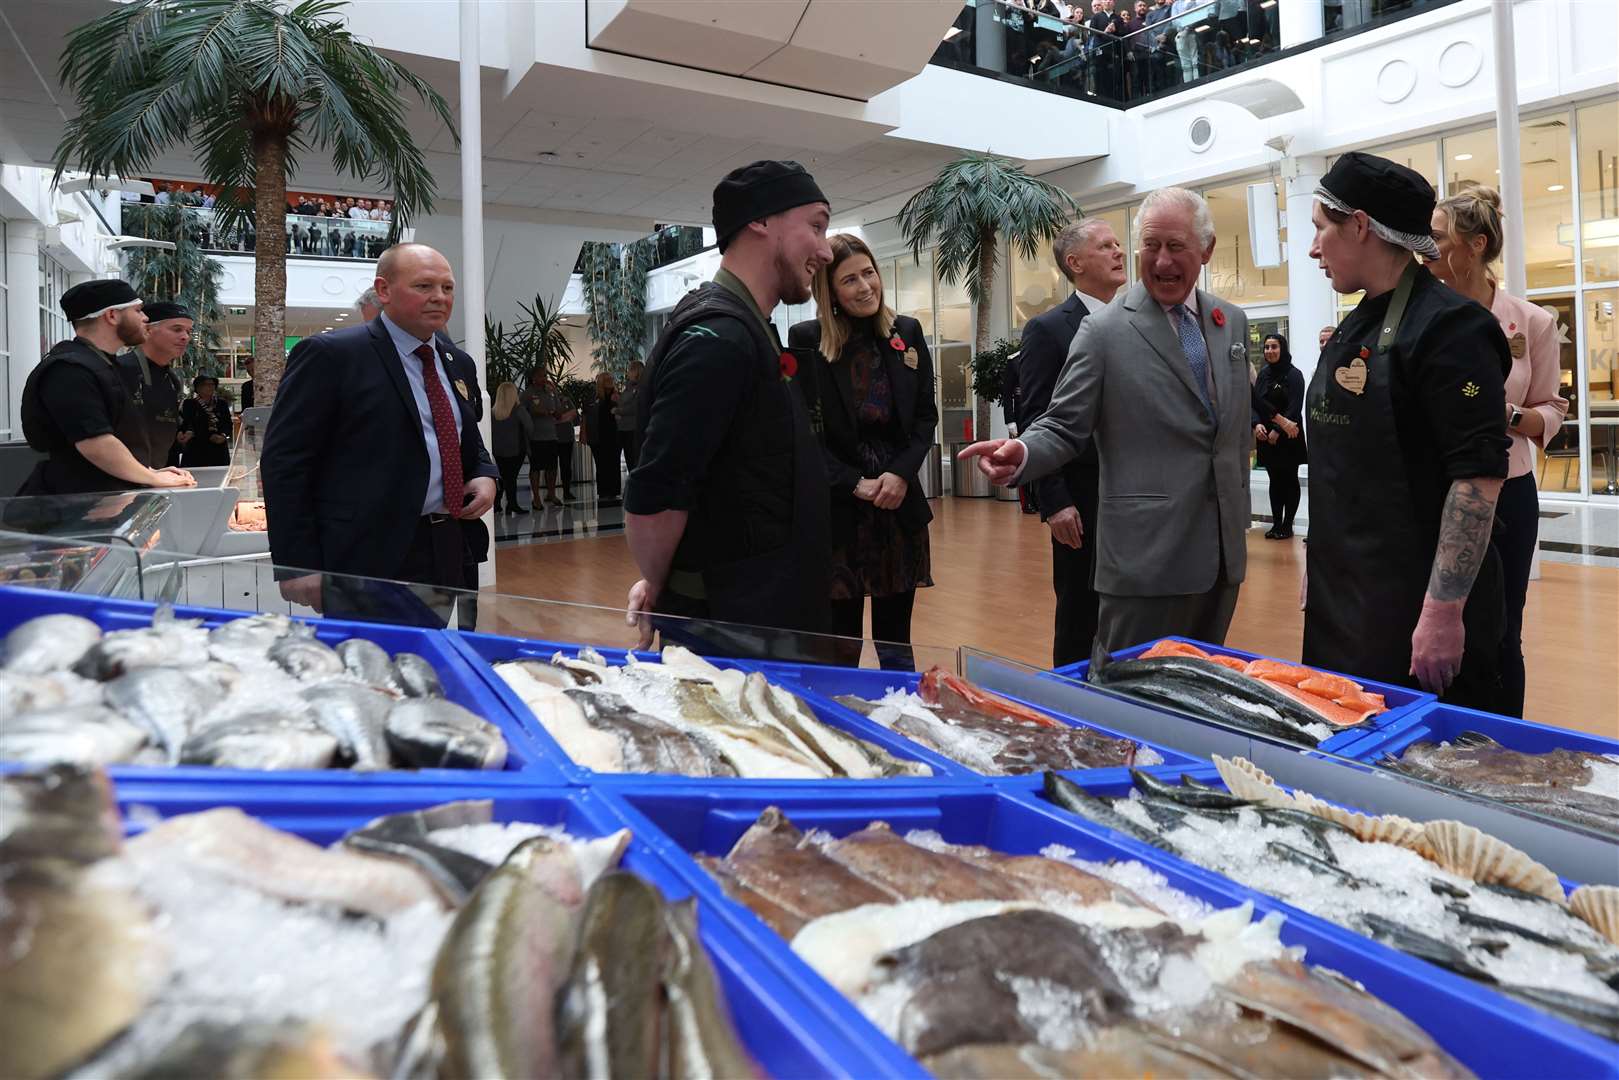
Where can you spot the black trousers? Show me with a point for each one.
(1517, 516)
(509, 468)
(1284, 493)
(429, 582)
(630, 443)
(890, 623)
(605, 455)
(1073, 577)
(565, 465)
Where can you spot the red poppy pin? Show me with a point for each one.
(1365, 353)
(896, 343)
(1511, 326)
(789, 366)
(1218, 317)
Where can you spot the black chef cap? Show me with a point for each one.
(166, 309)
(89, 299)
(759, 190)
(1398, 200)
(196, 384)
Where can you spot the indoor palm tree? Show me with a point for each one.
(250, 84)
(973, 201)
(187, 275)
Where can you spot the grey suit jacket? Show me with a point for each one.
(1173, 482)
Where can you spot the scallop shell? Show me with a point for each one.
(1246, 780)
(1386, 829)
(1599, 906)
(1465, 850)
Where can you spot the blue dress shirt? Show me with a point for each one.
(407, 346)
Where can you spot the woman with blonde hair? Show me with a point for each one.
(510, 428)
(1467, 228)
(868, 380)
(601, 433)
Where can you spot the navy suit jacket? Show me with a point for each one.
(345, 464)
(1041, 358)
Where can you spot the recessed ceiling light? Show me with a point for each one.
(1464, 157)
(1555, 187)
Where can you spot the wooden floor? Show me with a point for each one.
(992, 566)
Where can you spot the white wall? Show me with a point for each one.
(311, 283)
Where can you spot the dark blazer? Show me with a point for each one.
(1040, 361)
(914, 407)
(345, 463)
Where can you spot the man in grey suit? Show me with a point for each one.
(1160, 380)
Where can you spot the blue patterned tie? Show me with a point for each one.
(1197, 353)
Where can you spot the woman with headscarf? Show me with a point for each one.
(1280, 386)
(1468, 230)
(1408, 450)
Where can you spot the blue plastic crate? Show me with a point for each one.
(526, 757)
(482, 651)
(1522, 1041)
(1442, 723)
(1402, 701)
(820, 685)
(786, 1035)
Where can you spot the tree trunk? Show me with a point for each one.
(269, 263)
(986, 304)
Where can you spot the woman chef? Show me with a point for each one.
(1408, 451)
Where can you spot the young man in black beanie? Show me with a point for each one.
(727, 509)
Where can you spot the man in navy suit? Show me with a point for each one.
(1092, 259)
(373, 465)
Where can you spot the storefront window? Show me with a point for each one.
(912, 285)
(1421, 157)
(1037, 287)
(1231, 272)
(953, 345)
(1598, 130)
(1560, 463)
(1602, 386)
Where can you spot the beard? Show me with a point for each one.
(790, 281)
(131, 331)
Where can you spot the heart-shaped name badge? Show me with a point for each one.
(1353, 377)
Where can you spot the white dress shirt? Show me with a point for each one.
(407, 345)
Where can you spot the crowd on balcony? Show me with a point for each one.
(333, 226)
(1118, 49)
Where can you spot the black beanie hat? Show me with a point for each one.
(1398, 199)
(91, 298)
(166, 309)
(759, 190)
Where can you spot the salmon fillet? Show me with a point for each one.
(1167, 647)
(1330, 710)
(1231, 662)
(1280, 671)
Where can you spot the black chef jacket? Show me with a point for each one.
(72, 395)
(152, 414)
(1388, 434)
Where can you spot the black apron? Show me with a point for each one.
(1370, 556)
(66, 471)
(152, 414)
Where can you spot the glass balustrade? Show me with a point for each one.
(308, 235)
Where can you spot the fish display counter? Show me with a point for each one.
(1441, 892)
(1330, 711)
(992, 735)
(318, 933)
(989, 933)
(223, 696)
(611, 715)
(1567, 775)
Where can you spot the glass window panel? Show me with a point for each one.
(1421, 157)
(1561, 465)
(1231, 272)
(1548, 201)
(953, 346)
(1037, 287)
(1470, 160)
(1602, 387)
(913, 290)
(1598, 128)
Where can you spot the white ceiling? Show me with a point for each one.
(552, 159)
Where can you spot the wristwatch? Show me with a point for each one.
(1516, 418)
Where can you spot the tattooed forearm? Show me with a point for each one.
(1464, 537)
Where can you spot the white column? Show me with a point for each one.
(1298, 21)
(22, 312)
(1311, 303)
(1506, 144)
(471, 298)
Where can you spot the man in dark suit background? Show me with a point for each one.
(1092, 259)
(373, 465)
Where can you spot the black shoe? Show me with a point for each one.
(1284, 533)
(1273, 533)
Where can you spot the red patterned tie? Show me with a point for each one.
(449, 443)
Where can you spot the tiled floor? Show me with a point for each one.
(1579, 533)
